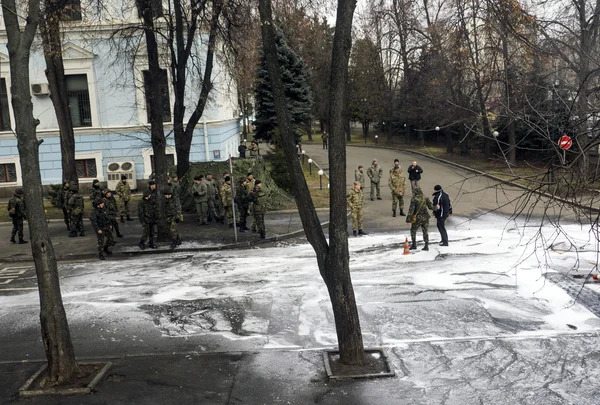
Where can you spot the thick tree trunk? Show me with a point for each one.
(333, 261)
(157, 132)
(55, 73)
(55, 329)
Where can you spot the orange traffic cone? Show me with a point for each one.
(406, 248)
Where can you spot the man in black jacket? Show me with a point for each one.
(442, 210)
(414, 175)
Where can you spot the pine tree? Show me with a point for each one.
(297, 92)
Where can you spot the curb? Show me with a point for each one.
(490, 176)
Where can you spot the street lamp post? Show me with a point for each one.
(303, 153)
(376, 139)
(310, 166)
(321, 179)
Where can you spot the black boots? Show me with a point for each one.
(426, 247)
(72, 234)
(129, 218)
(151, 244)
(119, 234)
(122, 219)
(402, 214)
(413, 246)
(22, 241)
(142, 245)
(108, 252)
(262, 235)
(12, 239)
(173, 245)
(100, 256)
(393, 213)
(178, 240)
(242, 228)
(355, 233)
(361, 232)
(81, 233)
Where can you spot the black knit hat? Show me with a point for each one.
(227, 178)
(257, 182)
(95, 181)
(437, 188)
(19, 191)
(123, 177)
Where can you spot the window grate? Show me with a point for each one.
(86, 168)
(8, 173)
(79, 100)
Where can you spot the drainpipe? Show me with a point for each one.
(206, 142)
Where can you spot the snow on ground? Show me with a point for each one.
(489, 283)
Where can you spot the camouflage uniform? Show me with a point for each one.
(226, 199)
(375, 173)
(172, 214)
(397, 185)
(102, 221)
(242, 199)
(76, 206)
(253, 149)
(18, 217)
(419, 208)
(200, 192)
(250, 184)
(360, 177)
(110, 207)
(176, 194)
(62, 200)
(355, 202)
(259, 203)
(96, 192)
(211, 194)
(124, 192)
(147, 219)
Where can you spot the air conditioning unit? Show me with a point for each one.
(115, 170)
(40, 89)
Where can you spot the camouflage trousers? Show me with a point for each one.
(357, 219)
(212, 210)
(397, 199)
(424, 227)
(67, 218)
(77, 222)
(105, 240)
(228, 214)
(375, 190)
(123, 207)
(202, 211)
(147, 232)
(243, 210)
(17, 228)
(115, 225)
(251, 214)
(173, 230)
(259, 222)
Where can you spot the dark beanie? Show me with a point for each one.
(437, 188)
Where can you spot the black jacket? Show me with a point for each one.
(414, 173)
(443, 200)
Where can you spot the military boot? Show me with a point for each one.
(426, 247)
(178, 240)
(129, 218)
(12, 239)
(262, 235)
(122, 219)
(361, 232)
(108, 252)
(393, 213)
(81, 233)
(100, 256)
(73, 233)
(22, 241)
(355, 233)
(402, 214)
(151, 244)
(142, 245)
(242, 228)
(413, 246)
(119, 234)
(173, 245)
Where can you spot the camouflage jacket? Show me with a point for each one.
(226, 195)
(359, 176)
(419, 208)
(355, 200)
(62, 197)
(242, 196)
(250, 185)
(171, 209)
(259, 201)
(375, 173)
(19, 206)
(123, 191)
(95, 193)
(211, 189)
(76, 204)
(110, 206)
(101, 219)
(200, 191)
(397, 183)
(146, 212)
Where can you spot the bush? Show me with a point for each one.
(53, 194)
(279, 171)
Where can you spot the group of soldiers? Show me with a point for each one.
(218, 199)
(253, 149)
(420, 206)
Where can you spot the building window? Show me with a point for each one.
(8, 173)
(72, 11)
(170, 161)
(79, 100)
(4, 111)
(86, 168)
(164, 90)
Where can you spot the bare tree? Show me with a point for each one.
(20, 32)
(332, 259)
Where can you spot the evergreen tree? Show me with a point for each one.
(297, 91)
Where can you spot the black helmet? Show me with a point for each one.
(147, 193)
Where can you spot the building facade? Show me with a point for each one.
(105, 79)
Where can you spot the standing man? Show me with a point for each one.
(16, 211)
(250, 182)
(414, 175)
(177, 195)
(200, 192)
(242, 150)
(355, 202)
(375, 172)
(442, 210)
(96, 192)
(76, 207)
(259, 203)
(147, 219)
(325, 138)
(124, 192)
(359, 175)
(242, 200)
(172, 214)
(226, 200)
(397, 185)
(62, 199)
(102, 224)
(396, 163)
(418, 216)
(110, 207)
(211, 194)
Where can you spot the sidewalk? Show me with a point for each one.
(279, 225)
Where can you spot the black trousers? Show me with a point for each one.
(441, 226)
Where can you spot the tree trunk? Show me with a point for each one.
(55, 329)
(508, 93)
(449, 141)
(157, 133)
(55, 73)
(333, 261)
(464, 141)
(309, 130)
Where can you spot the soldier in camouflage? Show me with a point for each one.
(359, 175)
(375, 172)
(200, 193)
(62, 198)
(76, 206)
(397, 185)
(16, 211)
(96, 191)
(176, 193)
(250, 182)
(242, 200)
(418, 216)
(110, 206)
(211, 194)
(226, 200)
(172, 214)
(355, 202)
(147, 218)
(259, 203)
(102, 223)
(123, 190)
